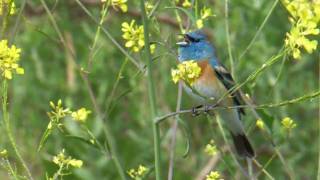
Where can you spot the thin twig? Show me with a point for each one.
(213, 107)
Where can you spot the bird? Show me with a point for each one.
(213, 83)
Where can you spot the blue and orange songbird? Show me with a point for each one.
(212, 85)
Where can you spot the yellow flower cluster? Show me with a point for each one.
(9, 58)
(204, 14)
(288, 123)
(120, 4)
(211, 148)
(5, 4)
(214, 175)
(58, 111)
(260, 124)
(80, 115)
(65, 161)
(138, 173)
(187, 71)
(305, 17)
(134, 35)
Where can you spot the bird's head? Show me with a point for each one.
(195, 46)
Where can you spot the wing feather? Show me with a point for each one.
(225, 77)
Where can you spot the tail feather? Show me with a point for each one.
(242, 145)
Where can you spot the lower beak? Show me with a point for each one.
(182, 43)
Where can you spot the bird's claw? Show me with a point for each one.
(195, 112)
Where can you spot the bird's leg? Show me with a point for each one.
(194, 111)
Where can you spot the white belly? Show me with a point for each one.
(203, 94)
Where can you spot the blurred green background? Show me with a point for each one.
(50, 75)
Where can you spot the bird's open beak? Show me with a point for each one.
(184, 41)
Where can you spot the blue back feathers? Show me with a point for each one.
(197, 47)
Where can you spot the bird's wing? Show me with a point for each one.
(225, 77)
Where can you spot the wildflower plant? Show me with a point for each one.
(305, 17)
(9, 60)
(187, 71)
(139, 173)
(57, 113)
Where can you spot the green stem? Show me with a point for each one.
(151, 92)
(318, 176)
(226, 17)
(7, 127)
(6, 6)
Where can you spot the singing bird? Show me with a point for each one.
(212, 85)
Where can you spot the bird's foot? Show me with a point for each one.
(195, 111)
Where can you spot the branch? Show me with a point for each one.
(217, 106)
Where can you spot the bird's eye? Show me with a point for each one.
(191, 39)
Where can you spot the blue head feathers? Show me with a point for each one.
(195, 46)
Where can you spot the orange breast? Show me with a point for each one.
(207, 76)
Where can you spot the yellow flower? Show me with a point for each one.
(5, 4)
(80, 115)
(142, 170)
(76, 163)
(138, 173)
(199, 23)
(214, 175)
(62, 160)
(305, 19)
(204, 14)
(186, 4)
(152, 48)
(211, 149)
(148, 6)
(120, 4)
(9, 58)
(187, 71)
(4, 153)
(260, 124)
(134, 35)
(288, 123)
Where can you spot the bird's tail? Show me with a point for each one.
(242, 145)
